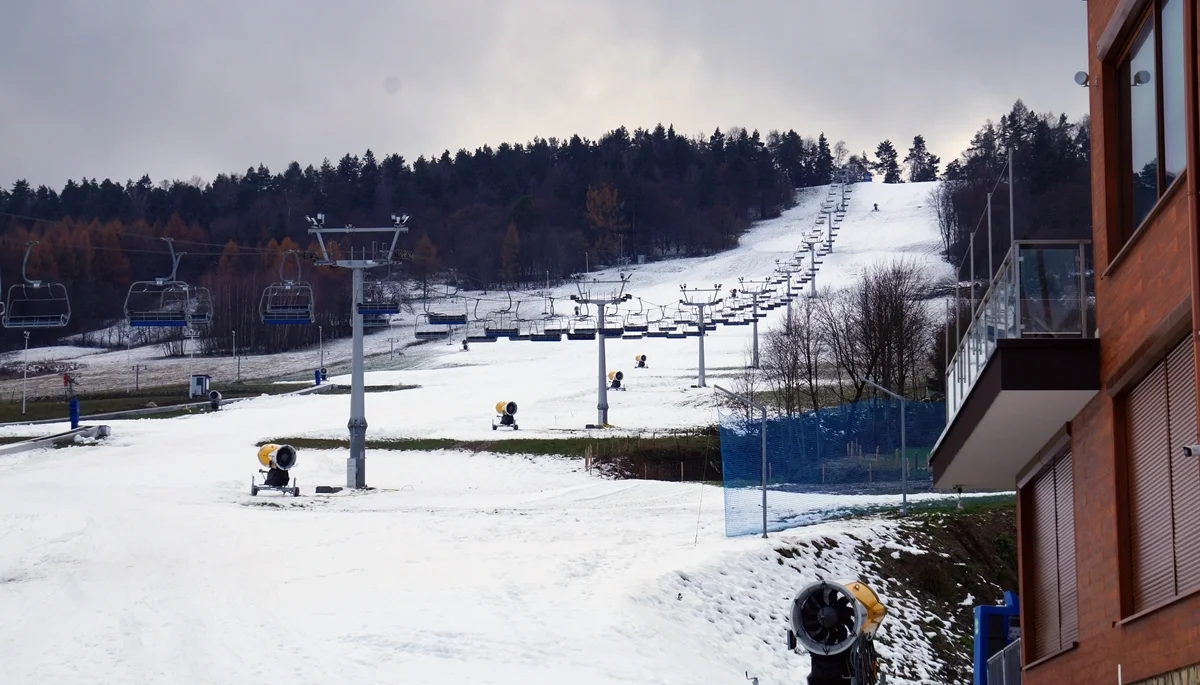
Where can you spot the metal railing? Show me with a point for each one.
(1041, 290)
(1004, 667)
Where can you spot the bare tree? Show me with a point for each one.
(840, 153)
(804, 331)
(783, 367)
(942, 199)
(878, 328)
(748, 383)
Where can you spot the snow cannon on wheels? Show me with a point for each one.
(836, 623)
(276, 461)
(640, 359)
(615, 378)
(506, 415)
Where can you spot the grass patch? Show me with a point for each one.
(10, 439)
(105, 402)
(689, 456)
(345, 389)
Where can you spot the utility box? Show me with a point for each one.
(199, 385)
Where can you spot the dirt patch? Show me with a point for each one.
(972, 554)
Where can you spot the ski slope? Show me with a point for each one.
(143, 559)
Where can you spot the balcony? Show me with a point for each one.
(1026, 363)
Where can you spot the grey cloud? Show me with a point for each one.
(180, 88)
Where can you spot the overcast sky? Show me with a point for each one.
(176, 89)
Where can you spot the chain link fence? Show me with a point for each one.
(824, 464)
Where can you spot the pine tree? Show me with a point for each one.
(824, 161)
(922, 164)
(425, 260)
(510, 253)
(886, 162)
(604, 215)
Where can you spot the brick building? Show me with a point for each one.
(1085, 410)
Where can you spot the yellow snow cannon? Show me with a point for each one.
(506, 415)
(836, 624)
(615, 378)
(276, 460)
(640, 361)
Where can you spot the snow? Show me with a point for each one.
(154, 565)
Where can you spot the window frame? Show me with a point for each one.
(1128, 227)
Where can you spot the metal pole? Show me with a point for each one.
(755, 358)
(904, 460)
(602, 376)
(700, 311)
(356, 464)
(321, 344)
(1012, 223)
(991, 266)
(764, 471)
(233, 352)
(25, 373)
(971, 249)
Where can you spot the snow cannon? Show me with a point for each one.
(640, 360)
(506, 415)
(214, 400)
(615, 377)
(836, 623)
(276, 460)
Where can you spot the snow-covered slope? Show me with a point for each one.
(555, 383)
(145, 560)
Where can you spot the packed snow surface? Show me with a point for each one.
(144, 559)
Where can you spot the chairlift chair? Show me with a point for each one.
(288, 302)
(546, 331)
(167, 302)
(582, 328)
(36, 303)
(379, 298)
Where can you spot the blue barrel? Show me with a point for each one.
(73, 411)
(317, 376)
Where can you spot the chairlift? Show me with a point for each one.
(637, 322)
(288, 302)
(611, 325)
(168, 302)
(546, 331)
(379, 298)
(36, 303)
(582, 328)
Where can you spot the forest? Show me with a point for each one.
(512, 215)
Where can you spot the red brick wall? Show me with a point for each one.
(1151, 280)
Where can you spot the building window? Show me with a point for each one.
(1150, 79)
(1055, 608)
(1164, 485)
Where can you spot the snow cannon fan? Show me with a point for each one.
(615, 377)
(836, 623)
(276, 461)
(506, 414)
(640, 359)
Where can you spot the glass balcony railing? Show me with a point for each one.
(1041, 290)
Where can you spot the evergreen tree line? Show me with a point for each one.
(1051, 197)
